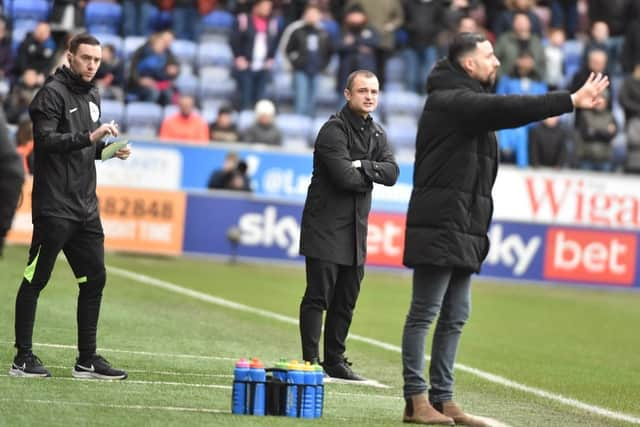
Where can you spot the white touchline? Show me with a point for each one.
(496, 379)
(115, 406)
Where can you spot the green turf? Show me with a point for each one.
(581, 343)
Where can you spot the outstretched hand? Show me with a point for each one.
(587, 96)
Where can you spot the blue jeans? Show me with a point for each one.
(252, 86)
(304, 92)
(565, 15)
(419, 63)
(435, 290)
(135, 17)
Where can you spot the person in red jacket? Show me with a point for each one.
(186, 124)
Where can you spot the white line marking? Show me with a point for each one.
(174, 373)
(141, 353)
(497, 379)
(114, 406)
(366, 383)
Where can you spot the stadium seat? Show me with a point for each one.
(171, 109)
(131, 43)
(281, 89)
(216, 82)
(404, 102)
(401, 131)
(218, 21)
(573, 51)
(143, 118)
(187, 83)
(214, 53)
(296, 129)
(112, 39)
(103, 17)
(184, 50)
(111, 110)
(245, 119)
(395, 69)
(326, 94)
(29, 10)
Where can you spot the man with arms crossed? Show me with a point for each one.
(67, 141)
(450, 210)
(351, 153)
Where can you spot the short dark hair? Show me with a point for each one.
(364, 73)
(464, 43)
(84, 38)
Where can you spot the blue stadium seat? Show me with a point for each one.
(143, 118)
(131, 43)
(326, 94)
(185, 50)
(573, 51)
(103, 17)
(401, 131)
(245, 119)
(187, 83)
(29, 10)
(114, 40)
(218, 21)
(404, 102)
(214, 53)
(395, 69)
(216, 82)
(281, 89)
(296, 130)
(112, 110)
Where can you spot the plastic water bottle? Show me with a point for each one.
(281, 370)
(240, 378)
(295, 383)
(258, 377)
(309, 394)
(319, 390)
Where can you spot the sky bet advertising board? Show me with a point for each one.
(534, 252)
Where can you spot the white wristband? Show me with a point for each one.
(356, 164)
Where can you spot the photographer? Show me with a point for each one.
(231, 176)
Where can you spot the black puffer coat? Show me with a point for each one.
(456, 163)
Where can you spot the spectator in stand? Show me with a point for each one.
(11, 179)
(136, 15)
(36, 52)
(264, 130)
(385, 17)
(24, 143)
(110, 75)
(554, 57)
(186, 124)
(466, 24)
(505, 20)
(185, 19)
(599, 40)
(597, 128)
(6, 55)
(511, 44)
(629, 99)
(596, 63)
(309, 51)
(631, 48)
(67, 15)
(619, 16)
(223, 129)
(521, 81)
(424, 21)
(548, 142)
(357, 45)
(153, 69)
(254, 40)
(232, 175)
(22, 92)
(564, 14)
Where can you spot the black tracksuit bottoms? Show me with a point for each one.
(334, 288)
(83, 245)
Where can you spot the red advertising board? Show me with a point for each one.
(385, 239)
(590, 256)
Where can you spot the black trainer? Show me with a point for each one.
(341, 370)
(97, 367)
(28, 365)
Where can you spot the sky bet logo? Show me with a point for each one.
(590, 256)
(511, 250)
(266, 229)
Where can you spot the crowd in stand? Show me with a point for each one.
(271, 71)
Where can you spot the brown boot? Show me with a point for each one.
(452, 410)
(418, 410)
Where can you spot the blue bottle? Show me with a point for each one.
(295, 383)
(309, 394)
(281, 370)
(319, 390)
(240, 383)
(258, 377)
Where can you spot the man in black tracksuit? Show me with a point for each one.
(67, 141)
(351, 153)
(450, 210)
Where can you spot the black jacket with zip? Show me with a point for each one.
(456, 163)
(64, 112)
